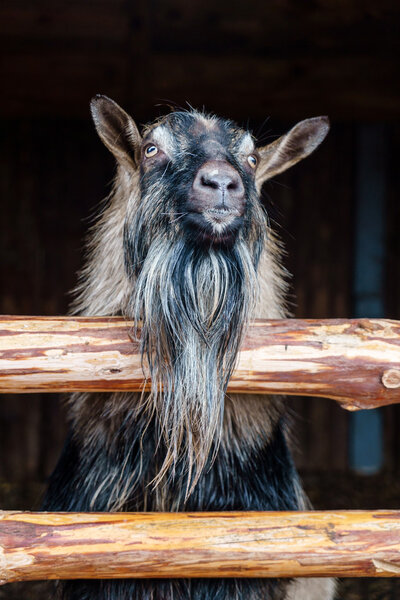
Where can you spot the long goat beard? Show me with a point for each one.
(192, 305)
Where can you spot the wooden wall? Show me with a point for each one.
(280, 57)
(53, 174)
(273, 59)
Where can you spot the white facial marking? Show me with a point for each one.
(208, 122)
(218, 227)
(246, 145)
(219, 219)
(164, 139)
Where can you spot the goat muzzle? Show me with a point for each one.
(216, 202)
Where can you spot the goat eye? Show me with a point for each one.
(252, 160)
(150, 151)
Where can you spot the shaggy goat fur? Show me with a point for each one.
(165, 253)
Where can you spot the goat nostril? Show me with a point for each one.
(232, 186)
(207, 182)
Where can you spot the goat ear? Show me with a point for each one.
(116, 129)
(292, 147)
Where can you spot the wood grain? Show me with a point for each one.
(356, 362)
(142, 545)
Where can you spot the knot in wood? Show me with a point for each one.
(391, 378)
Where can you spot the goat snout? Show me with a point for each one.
(217, 186)
(216, 203)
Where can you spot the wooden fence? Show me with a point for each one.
(356, 362)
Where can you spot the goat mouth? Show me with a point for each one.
(220, 216)
(215, 227)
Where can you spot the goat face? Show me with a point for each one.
(208, 170)
(208, 165)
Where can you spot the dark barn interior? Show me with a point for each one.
(266, 65)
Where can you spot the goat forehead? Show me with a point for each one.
(180, 131)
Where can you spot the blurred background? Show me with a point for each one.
(266, 64)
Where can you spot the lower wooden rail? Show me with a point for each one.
(289, 544)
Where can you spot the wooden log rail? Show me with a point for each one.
(142, 545)
(356, 362)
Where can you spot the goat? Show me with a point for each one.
(185, 248)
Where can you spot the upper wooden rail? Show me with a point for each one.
(283, 544)
(356, 362)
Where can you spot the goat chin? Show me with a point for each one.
(185, 445)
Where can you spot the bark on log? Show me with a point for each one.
(143, 545)
(356, 362)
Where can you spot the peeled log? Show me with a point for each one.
(143, 545)
(356, 362)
